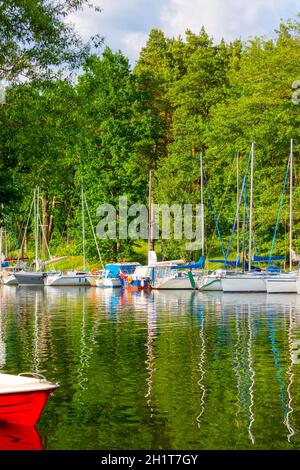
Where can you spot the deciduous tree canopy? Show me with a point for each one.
(114, 124)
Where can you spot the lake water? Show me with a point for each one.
(160, 370)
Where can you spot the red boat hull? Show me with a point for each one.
(23, 408)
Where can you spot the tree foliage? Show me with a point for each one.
(35, 34)
(184, 96)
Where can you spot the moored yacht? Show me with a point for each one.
(114, 274)
(27, 278)
(212, 281)
(72, 278)
(245, 282)
(283, 283)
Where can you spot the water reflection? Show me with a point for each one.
(158, 369)
(150, 362)
(290, 373)
(14, 437)
(201, 319)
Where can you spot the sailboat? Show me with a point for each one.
(33, 277)
(250, 281)
(212, 280)
(286, 282)
(29, 277)
(71, 278)
(175, 274)
(6, 276)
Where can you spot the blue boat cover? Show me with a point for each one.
(266, 259)
(226, 262)
(273, 269)
(197, 265)
(115, 268)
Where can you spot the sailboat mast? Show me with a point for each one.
(36, 226)
(251, 208)
(150, 216)
(6, 242)
(291, 204)
(1, 244)
(237, 205)
(202, 203)
(83, 227)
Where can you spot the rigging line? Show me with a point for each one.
(255, 247)
(94, 234)
(279, 211)
(214, 216)
(9, 222)
(23, 223)
(44, 236)
(220, 211)
(238, 208)
(26, 227)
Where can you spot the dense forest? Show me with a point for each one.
(77, 111)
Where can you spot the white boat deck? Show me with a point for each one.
(18, 384)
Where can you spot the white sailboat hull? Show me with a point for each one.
(92, 280)
(209, 284)
(30, 278)
(9, 280)
(244, 283)
(176, 283)
(298, 285)
(108, 282)
(281, 285)
(66, 280)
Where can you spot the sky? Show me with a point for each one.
(125, 24)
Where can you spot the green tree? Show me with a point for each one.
(39, 130)
(34, 36)
(114, 136)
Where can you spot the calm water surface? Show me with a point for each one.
(173, 370)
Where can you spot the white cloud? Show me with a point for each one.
(126, 24)
(227, 18)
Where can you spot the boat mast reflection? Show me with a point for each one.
(201, 364)
(150, 362)
(252, 375)
(290, 373)
(2, 341)
(243, 368)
